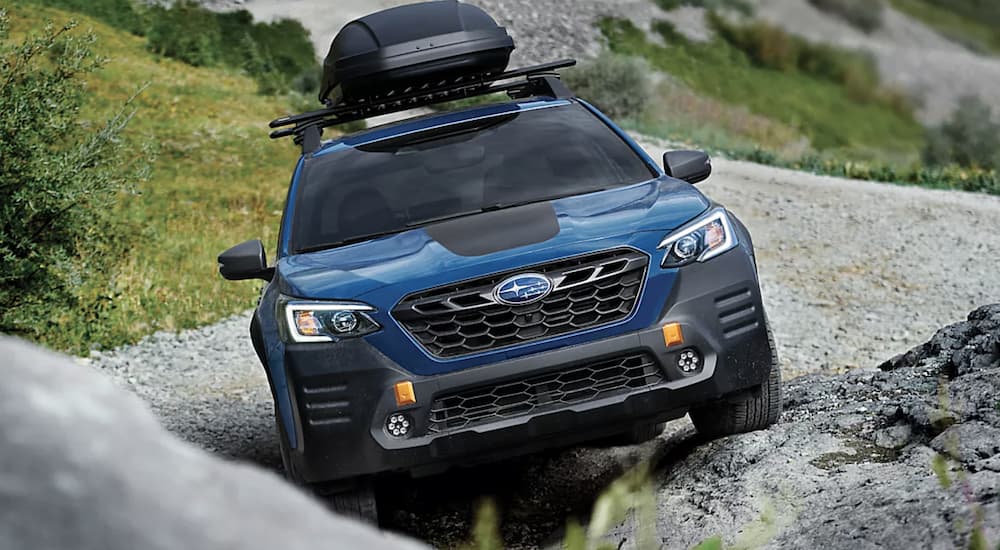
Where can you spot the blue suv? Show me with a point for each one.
(497, 280)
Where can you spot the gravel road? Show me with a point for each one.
(853, 273)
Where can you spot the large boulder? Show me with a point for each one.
(85, 465)
(903, 456)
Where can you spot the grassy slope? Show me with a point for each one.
(217, 180)
(979, 35)
(819, 109)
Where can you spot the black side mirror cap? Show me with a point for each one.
(245, 261)
(690, 166)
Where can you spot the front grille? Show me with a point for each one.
(465, 318)
(543, 392)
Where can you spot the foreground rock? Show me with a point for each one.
(85, 465)
(851, 464)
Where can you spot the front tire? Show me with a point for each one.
(755, 412)
(358, 502)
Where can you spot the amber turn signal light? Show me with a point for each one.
(405, 394)
(672, 334)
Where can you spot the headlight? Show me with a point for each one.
(700, 240)
(327, 321)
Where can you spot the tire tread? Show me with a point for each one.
(756, 412)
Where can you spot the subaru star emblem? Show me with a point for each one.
(523, 289)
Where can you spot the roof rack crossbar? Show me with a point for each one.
(535, 80)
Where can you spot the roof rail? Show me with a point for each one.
(307, 128)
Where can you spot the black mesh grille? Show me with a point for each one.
(466, 318)
(543, 392)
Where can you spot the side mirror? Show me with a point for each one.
(245, 261)
(690, 166)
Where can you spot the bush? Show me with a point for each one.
(284, 45)
(987, 11)
(865, 15)
(121, 14)
(275, 54)
(970, 138)
(185, 31)
(942, 177)
(771, 47)
(618, 85)
(59, 180)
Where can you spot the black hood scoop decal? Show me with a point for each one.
(491, 232)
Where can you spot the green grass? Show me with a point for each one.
(217, 180)
(976, 30)
(821, 110)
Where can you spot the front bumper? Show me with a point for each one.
(342, 393)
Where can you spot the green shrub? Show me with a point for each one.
(618, 85)
(865, 15)
(771, 47)
(941, 177)
(59, 179)
(284, 45)
(185, 31)
(970, 138)
(987, 11)
(121, 14)
(274, 53)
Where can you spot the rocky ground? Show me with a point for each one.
(852, 272)
(851, 463)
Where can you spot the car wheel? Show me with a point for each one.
(285, 448)
(755, 412)
(644, 433)
(358, 503)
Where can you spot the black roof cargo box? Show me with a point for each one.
(412, 45)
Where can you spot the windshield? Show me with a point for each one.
(487, 164)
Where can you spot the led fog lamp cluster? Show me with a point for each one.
(399, 425)
(690, 361)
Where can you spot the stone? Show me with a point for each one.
(85, 465)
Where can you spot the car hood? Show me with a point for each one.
(425, 257)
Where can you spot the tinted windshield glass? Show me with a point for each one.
(491, 163)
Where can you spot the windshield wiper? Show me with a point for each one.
(503, 205)
(352, 240)
(445, 217)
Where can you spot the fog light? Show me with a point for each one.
(690, 361)
(399, 425)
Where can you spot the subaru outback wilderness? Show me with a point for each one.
(492, 281)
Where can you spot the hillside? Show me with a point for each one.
(859, 103)
(216, 181)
